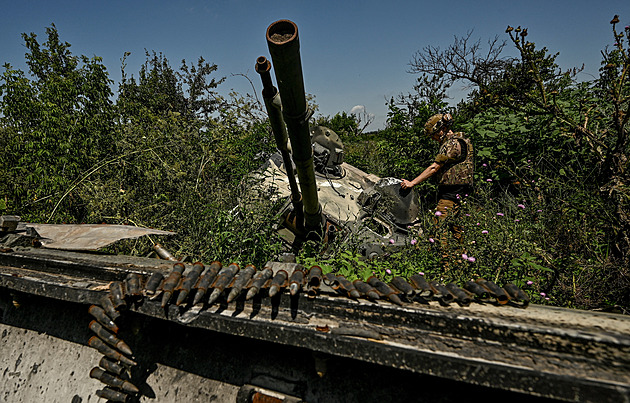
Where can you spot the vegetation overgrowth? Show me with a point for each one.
(549, 210)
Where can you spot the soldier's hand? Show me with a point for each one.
(405, 184)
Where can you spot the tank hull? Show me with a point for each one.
(328, 348)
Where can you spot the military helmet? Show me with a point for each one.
(437, 122)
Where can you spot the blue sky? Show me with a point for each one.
(353, 52)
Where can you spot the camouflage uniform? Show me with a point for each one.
(455, 180)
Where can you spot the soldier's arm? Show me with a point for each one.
(426, 174)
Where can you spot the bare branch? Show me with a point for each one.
(462, 60)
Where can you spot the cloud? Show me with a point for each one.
(357, 110)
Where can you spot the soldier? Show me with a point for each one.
(454, 168)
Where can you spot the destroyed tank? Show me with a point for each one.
(329, 199)
(77, 325)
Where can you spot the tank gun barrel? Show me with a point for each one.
(284, 47)
(273, 104)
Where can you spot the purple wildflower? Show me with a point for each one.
(391, 241)
(413, 241)
(484, 232)
(438, 213)
(464, 256)
(542, 294)
(388, 271)
(530, 282)
(500, 214)
(421, 273)
(520, 206)
(431, 240)
(488, 180)
(471, 259)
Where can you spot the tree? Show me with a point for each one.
(160, 90)
(584, 125)
(58, 123)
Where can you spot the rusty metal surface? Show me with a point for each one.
(542, 351)
(88, 236)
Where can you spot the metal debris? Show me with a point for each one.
(88, 236)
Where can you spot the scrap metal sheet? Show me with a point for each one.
(88, 236)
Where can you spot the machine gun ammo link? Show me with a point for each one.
(189, 282)
(517, 296)
(111, 366)
(153, 283)
(99, 314)
(278, 282)
(313, 281)
(461, 296)
(117, 294)
(223, 280)
(109, 352)
(112, 380)
(206, 281)
(443, 293)
(296, 281)
(494, 290)
(132, 285)
(241, 279)
(109, 338)
(108, 307)
(257, 282)
(112, 395)
(171, 282)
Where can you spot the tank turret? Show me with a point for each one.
(328, 198)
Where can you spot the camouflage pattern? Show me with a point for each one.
(437, 122)
(457, 171)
